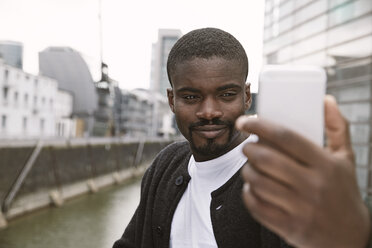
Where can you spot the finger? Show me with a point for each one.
(268, 215)
(269, 190)
(337, 128)
(277, 165)
(288, 141)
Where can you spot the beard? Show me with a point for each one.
(211, 146)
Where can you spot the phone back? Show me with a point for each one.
(293, 96)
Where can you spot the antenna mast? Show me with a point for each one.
(100, 30)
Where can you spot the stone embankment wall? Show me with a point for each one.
(65, 169)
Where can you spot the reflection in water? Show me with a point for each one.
(94, 220)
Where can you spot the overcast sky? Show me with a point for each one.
(129, 29)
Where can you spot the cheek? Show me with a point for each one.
(184, 112)
(180, 121)
(234, 110)
(183, 127)
(183, 118)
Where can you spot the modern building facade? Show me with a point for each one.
(159, 79)
(136, 114)
(336, 35)
(32, 107)
(72, 73)
(164, 124)
(12, 53)
(133, 114)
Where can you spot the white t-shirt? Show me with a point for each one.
(191, 224)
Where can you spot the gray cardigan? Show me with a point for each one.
(162, 187)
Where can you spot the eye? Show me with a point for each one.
(228, 94)
(189, 97)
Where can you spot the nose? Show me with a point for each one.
(209, 109)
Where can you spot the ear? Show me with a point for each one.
(170, 98)
(247, 96)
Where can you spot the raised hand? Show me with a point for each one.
(305, 193)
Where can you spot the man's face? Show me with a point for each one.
(208, 95)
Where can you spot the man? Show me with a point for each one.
(191, 194)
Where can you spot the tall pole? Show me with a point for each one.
(100, 29)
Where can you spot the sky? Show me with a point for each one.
(129, 28)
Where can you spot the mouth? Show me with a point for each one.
(210, 131)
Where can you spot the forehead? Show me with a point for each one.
(200, 72)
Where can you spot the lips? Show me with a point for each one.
(210, 131)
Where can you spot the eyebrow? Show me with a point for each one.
(228, 86)
(190, 89)
(221, 88)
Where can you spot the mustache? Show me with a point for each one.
(216, 121)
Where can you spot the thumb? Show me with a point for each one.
(337, 128)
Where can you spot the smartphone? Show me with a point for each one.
(293, 96)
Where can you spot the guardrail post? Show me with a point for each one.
(90, 183)
(55, 195)
(3, 222)
(139, 152)
(21, 177)
(116, 174)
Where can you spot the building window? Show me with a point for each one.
(272, 58)
(60, 129)
(51, 103)
(5, 92)
(26, 99)
(35, 100)
(6, 75)
(36, 82)
(43, 101)
(15, 97)
(42, 124)
(57, 129)
(24, 123)
(27, 77)
(3, 122)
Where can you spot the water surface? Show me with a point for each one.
(90, 221)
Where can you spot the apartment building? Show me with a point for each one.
(32, 107)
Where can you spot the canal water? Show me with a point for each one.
(90, 221)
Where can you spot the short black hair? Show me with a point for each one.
(206, 43)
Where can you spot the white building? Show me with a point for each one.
(29, 104)
(65, 125)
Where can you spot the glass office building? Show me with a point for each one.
(337, 35)
(159, 77)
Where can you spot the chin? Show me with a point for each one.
(211, 147)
